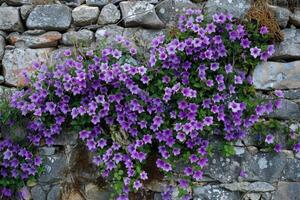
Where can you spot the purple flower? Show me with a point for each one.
(7, 155)
(198, 175)
(269, 139)
(183, 183)
(278, 148)
(255, 52)
(137, 185)
(263, 30)
(245, 43)
(297, 148)
(144, 175)
(279, 93)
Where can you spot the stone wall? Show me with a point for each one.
(37, 30)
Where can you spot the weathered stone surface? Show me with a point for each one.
(249, 187)
(25, 11)
(38, 193)
(54, 193)
(109, 14)
(109, 33)
(289, 48)
(17, 60)
(11, 23)
(55, 167)
(85, 15)
(214, 192)
(291, 172)
(82, 37)
(66, 138)
(99, 3)
(287, 191)
(49, 39)
(50, 17)
(93, 192)
(288, 110)
(169, 10)
(18, 2)
(292, 94)
(47, 151)
(140, 13)
(237, 8)
(264, 167)
(252, 196)
(2, 46)
(281, 14)
(295, 17)
(73, 3)
(275, 75)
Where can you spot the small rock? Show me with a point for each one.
(140, 13)
(99, 3)
(83, 37)
(49, 39)
(38, 193)
(54, 193)
(25, 11)
(275, 75)
(289, 47)
(56, 17)
(282, 15)
(2, 47)
(11, 23)
(109, 14)
(295, 18)
(85, 15)
(287, 191)
(18, 2)
(15, 61)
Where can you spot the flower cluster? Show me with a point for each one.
(195, 87)
(17, 165)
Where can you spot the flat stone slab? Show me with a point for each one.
(83, 37)
(276, 75)
(85, 15)
(50, 17)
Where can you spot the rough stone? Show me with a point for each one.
(140, 13)
(25, 11)
(50, 17)
(289, 110)
(54, 193)
(292, 94)
(214, 192)
(99, 3)
(287, 191)
(291, 171)
(38, 193)
(83, 37)
(252, 196)
(281, 14)
(2, 47)
(16, 60)
(109, 14)
(275, 75)
(93, 192)
(109, 33)
(289, 47)
(66, 138)
(85, 15)
(48, 39)
(73, 3)
(264, 167)
(169, 10)
(18, 2)
(55, 167)
(47, 151)
(237, 8)
(295, 18)
(249, 187)
(11, 23)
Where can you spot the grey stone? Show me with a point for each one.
(3, 34)
(2, 47)
(210, 192)
(50, 17)
(287, 191)
(289, 47)
(47, 151)
(109, 14)
(292, 94)
(15, 61)
(140, 13)
(281, 14)
(169, 10)
(249, 187)
(108, 33)
(55, 167)
(99, 3)
(18, 2)
(11, 23)
(25, 11)
(295, 17)
(57, 56)
(54, 193)
(73, 3)
(291, 171)
(289, 110)
(85, 15)
(83, 37)
(252, 196)
(66, 138)
(275, 75)
(237, 8)
(264, 167)
(38, 193)
(48, 39)
(93, 192)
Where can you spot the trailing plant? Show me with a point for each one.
(197, 86)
